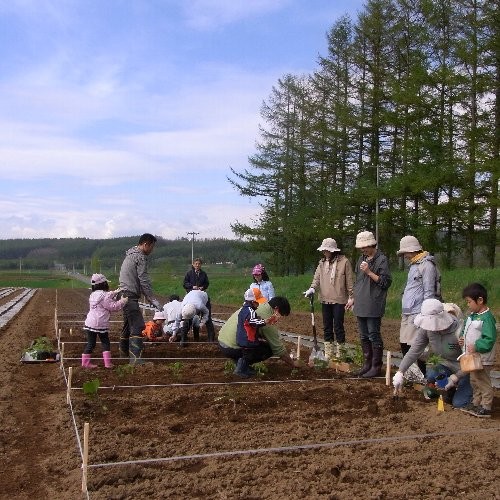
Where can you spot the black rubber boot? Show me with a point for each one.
(184, 333)
(366, 347)
(375, 370)
(124, 347)
(196, 333)
(135, 349)
(210, 331)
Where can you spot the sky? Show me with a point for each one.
(120, 117)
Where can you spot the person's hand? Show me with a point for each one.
(364, 267)
(349, 304)
(172, 337)
(461, 341)
(471, 348)
(452, 382)
(155, 304)
(398, 380)
(124, 300)
(309, 292)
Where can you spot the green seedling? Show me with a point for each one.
(90, 387)
(229, 367)
(124, 370)
(294, 372)
(434, 360)
(260, 369)
(320, 364)
(176, 369)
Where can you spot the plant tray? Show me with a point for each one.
(40, 357)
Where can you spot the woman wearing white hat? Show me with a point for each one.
(334, 279)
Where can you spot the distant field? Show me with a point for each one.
(228, 285)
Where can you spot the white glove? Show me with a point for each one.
(309, 292)
(452, 382)
(155, 304)
(398, 380)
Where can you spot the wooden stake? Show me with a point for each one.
(388, 370)
(68, 390)
(298, 346)
(61, 352)
(70, 332)
(85, 456)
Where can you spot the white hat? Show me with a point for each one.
(329, 244)
(250, 295)
(365, 239)
(432, 316)
(409, 244)
(188, 311)
(158, 315)
(97, 279)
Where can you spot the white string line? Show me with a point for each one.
(301, 447)
(155, 359)
(242, 382)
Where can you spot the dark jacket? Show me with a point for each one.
(193, 279)
(370, 297)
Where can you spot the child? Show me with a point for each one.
(172, 311)
(154, 329)
(102, 303)
(479, 335)
(261, 281)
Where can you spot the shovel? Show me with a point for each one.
(316, 352)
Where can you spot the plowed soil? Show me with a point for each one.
(156, 433)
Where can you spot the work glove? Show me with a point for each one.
(156, 304)
(452, 382)
(398, 380)
(309, 292)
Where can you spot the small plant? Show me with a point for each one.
(294, 372)
(260, 369)
(124, 370)
(90, 387)
(176, 369)
(229, 367)
(434, 360)
(320, 364)
(354, 355)
(38, 346)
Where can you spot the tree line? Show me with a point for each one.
(397, 131)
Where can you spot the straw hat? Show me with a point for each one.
(188, 311)
(329, 244)
(158, 315)
(433, 317)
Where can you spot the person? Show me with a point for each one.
(436, 328)
(454, 309)
(173, 312)
(479, 335)
(196, 279)
(270, 343)
(334, 278)
(153, 330)
(134, 281)
(422, 283)
(261, 282)
(193, 304)
(102, 303)
(373, 279)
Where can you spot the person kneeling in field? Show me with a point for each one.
(267, 341)
(153, 330)
(436, 328)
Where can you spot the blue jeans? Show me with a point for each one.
(369, 331)
(463, 393)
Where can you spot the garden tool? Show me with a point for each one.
(316, 352)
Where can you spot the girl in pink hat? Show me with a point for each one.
(262, 282)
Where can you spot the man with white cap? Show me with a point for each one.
(373, 279)
(334, 279)
(423, 282)
(436, 328)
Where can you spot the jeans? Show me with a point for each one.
(369, 331)
(463, 393)
(333, 321)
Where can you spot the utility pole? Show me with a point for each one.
(192, 233)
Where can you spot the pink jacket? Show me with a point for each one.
(102, 304)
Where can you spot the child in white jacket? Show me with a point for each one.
(102, 303)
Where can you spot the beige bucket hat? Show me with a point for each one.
(432, 316)
(329, 244)
(409, 244)
(365, 239)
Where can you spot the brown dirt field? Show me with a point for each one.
(366, 445)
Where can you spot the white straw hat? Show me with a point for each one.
(188, 311)
(329, 244)
(409, 244)
(432, 316)
(365, 239)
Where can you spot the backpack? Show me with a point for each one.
(437, 284)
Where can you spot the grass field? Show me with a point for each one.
(228, 285)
